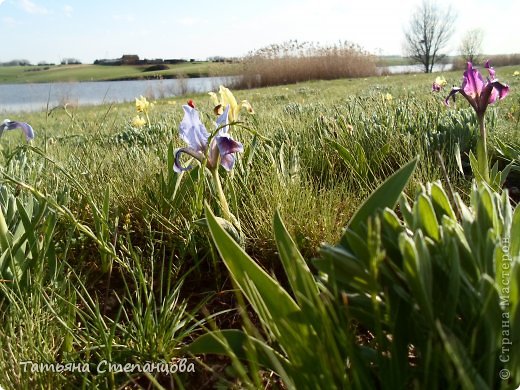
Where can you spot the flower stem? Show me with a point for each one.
(221, 197)
(482, 155)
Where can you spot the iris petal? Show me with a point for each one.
(227, 145)
(214, 98)
(192, 131)
(177, 167)
(227, 161)
(11, 125)
(222, 121)
(490, 70)
(493, 96)
(453, 92)
(473, 81)
(502, 89)
(228, 98)
(245, 104)
(494, 91)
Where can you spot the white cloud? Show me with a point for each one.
(33, 8)
(124, 18)
(1, 1)
(67, 9)
(8, 21)
(188, 21)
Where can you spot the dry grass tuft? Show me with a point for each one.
(292, 62)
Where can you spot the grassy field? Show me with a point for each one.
(113, 259)
(65, 73)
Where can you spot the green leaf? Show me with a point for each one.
(406, 210)
(482, 160)
(454, 280)
(514, 246)
(11, 208)
(441, 202)
(424, 268)
(458, 158)
(31, 219)
(392, 220)
(413, 272)
(455, 351)
(386, 195)
(361, 161)
(298, 273)
(485, 210)
(225, 224)
(514, 316)
(224, 342)
(170, 157)
(343, 266)
(4, 233)
(356, 244)
(355, 163)
(475, 167)
(271, 302)
(344, 153)
(106, 203)
(424, 217)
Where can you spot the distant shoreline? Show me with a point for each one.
(84, 73)
(27, 74)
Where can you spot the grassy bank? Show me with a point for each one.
(119, 266)
(66, 73)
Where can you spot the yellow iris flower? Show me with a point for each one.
(439, 80)
(142, 104)
(227, 98)
(138, 121)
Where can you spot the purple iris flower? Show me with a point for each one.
(479, 92)
(11, 125)
(220, 149)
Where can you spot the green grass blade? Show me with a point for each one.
(386, 195)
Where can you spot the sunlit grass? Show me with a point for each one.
(163, 263)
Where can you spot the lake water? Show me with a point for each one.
(400, 69)
(37, 97)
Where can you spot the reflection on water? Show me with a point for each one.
(39, 97)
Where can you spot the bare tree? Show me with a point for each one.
(428, 33)
(471, 45)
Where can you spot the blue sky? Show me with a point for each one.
(49, 30)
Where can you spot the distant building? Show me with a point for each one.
(130, 59)
(133, 59)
